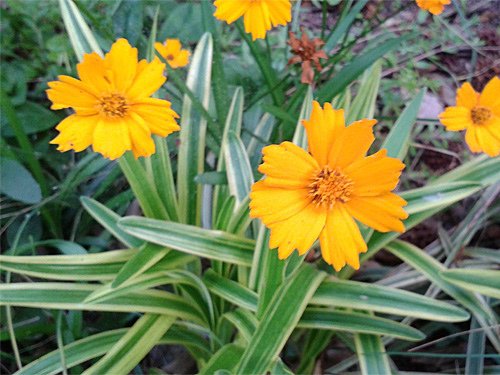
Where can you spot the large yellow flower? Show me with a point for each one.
(258, 15)
(434, 6)
(477, 114)
(113, 108)
(319, 194)
(173, 53)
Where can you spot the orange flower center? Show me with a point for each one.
(480, 115)
(113, 105)
(330, 185)
(170, 57)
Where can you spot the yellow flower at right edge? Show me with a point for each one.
(477, 114)
(319, 194)
(171, 50)
(434, 6)
(259, 16)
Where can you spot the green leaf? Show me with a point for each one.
(18, 183)
(143, 187)
(127, 20)
(371, 355)
(226, 358)
(147, 257)
(82, 39)
(101, 266)
(363, 105)
(70, 296)
(205, 243)
(109, 220)
(397, 141)
(300, 136)
(193, 133)
(364, 296)
(320, 318)
(432, 269)
(342, 27)
(134, 346)
(230, 290)
(244, 321)
(279, 320)
(239, 172)
(485, 282)
(352, 71)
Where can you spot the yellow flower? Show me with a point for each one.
(113, 108)
(477, 114)
(434, 6)
(319, 194)
(173, 53)
(258, 15)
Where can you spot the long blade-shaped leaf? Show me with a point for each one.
(371, 355)
(486, 282)
(206, 243)
(133, 347)
(279, 320)
(193, 133)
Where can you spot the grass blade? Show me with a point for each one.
(371, 355)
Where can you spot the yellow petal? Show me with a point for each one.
(157, 115)
(287, 166)
(140, 135)
(341, 240)
(383, 212)
(466, 96)
(75, 133)
(488, 138)
(92, 71)
(122, 61)
(323, 127)
(299, 231)
(230, 10)
(112, 138)
(70, 92)
(374, 174)
(490, 97)
(280, 12)
(456, 118)
(352, 144)
(148, 80)
(173, 46)
(471, 139)
(273, 204)
(257, 20)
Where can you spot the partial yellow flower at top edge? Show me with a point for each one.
(171, 50)
(477, 114)
(320, 194)
(433, 6)
(113, 110)
(259, 16)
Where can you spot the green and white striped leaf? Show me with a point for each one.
(397, 141)
(193, 133)
(371, 355)
(133, 346)
(225, 360)
(212, 244)
(300, 136)
(244, 321)
(363, 105)
(90, 267)
(485, 282)
(239, 172)
(278, 321)
(82, 39)
(432, 269)
(364, 296)
(70, 296)
(346, 321)
(109, 219)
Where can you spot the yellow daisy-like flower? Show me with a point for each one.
(259, 16)
(319, 194)
(113, 109)
(477, 114)
(171, 50)
(434, 6)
